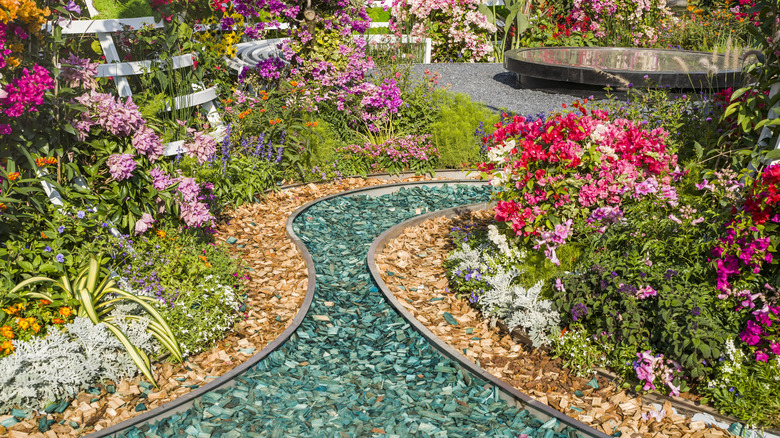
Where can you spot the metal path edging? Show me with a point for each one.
(183, 402)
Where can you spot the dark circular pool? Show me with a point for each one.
(620, 66)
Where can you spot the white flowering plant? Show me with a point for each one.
(744, 385)
(503, 280)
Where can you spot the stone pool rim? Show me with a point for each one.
(591, 76)
(225, 379)
(379, 244)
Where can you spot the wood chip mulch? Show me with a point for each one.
(419, 283)
(276, 289)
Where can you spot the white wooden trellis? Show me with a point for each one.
(119, 71)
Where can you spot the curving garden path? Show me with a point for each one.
(354, 367)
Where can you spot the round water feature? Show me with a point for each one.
(619, 66)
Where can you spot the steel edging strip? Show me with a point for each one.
(223, 380)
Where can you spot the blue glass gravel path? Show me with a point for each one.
(354, 367)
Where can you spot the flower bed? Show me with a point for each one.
(661, 274)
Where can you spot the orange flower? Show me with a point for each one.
(161, 234)
(36, 327)
(7, 347)
(13, 176)
(57, 321)
(3, 206)
(66, 311)
(7, 332)
(51, 160)
(23, 323)
(43, 236)
(311, 124)
(13, 309)
(294, 83)
(208, 265)
(45, 302)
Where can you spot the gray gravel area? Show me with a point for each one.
(498, 88)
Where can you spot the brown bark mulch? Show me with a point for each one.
(276, 290)
(419, 283)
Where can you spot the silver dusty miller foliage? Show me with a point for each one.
(65, 362)
(517, 305)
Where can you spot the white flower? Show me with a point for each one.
(597, 135)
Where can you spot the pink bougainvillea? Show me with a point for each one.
(569, 165)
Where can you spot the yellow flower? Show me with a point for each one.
(7, 332)
(23, 323)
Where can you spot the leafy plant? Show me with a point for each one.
(95, 299)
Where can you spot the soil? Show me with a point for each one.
(418, 280)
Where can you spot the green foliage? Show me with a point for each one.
(685, 320)
(195, 285)
(95, 296)
(68, 231)
(746, 388)
(580, 352)
(125, 9)
(453, 133)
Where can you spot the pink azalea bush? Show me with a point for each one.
(615, 17)
(457, 29)
(568, 166)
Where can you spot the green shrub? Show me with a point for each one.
(453, 133)
(196, 285)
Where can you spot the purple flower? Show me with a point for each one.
(48, 248)
(148, 143)
(578, 311)
(160, 179)
(201, 146)
(121, 166)
(80, 215)
(73, 7)
(61, 229)
(752, 333)
(189, 189)
(60, 258)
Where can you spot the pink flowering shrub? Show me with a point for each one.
(121, 166)
(105, 111)
(568, 165)
(397, 154)
(25, 93)
(459, 32)
(630, 22)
